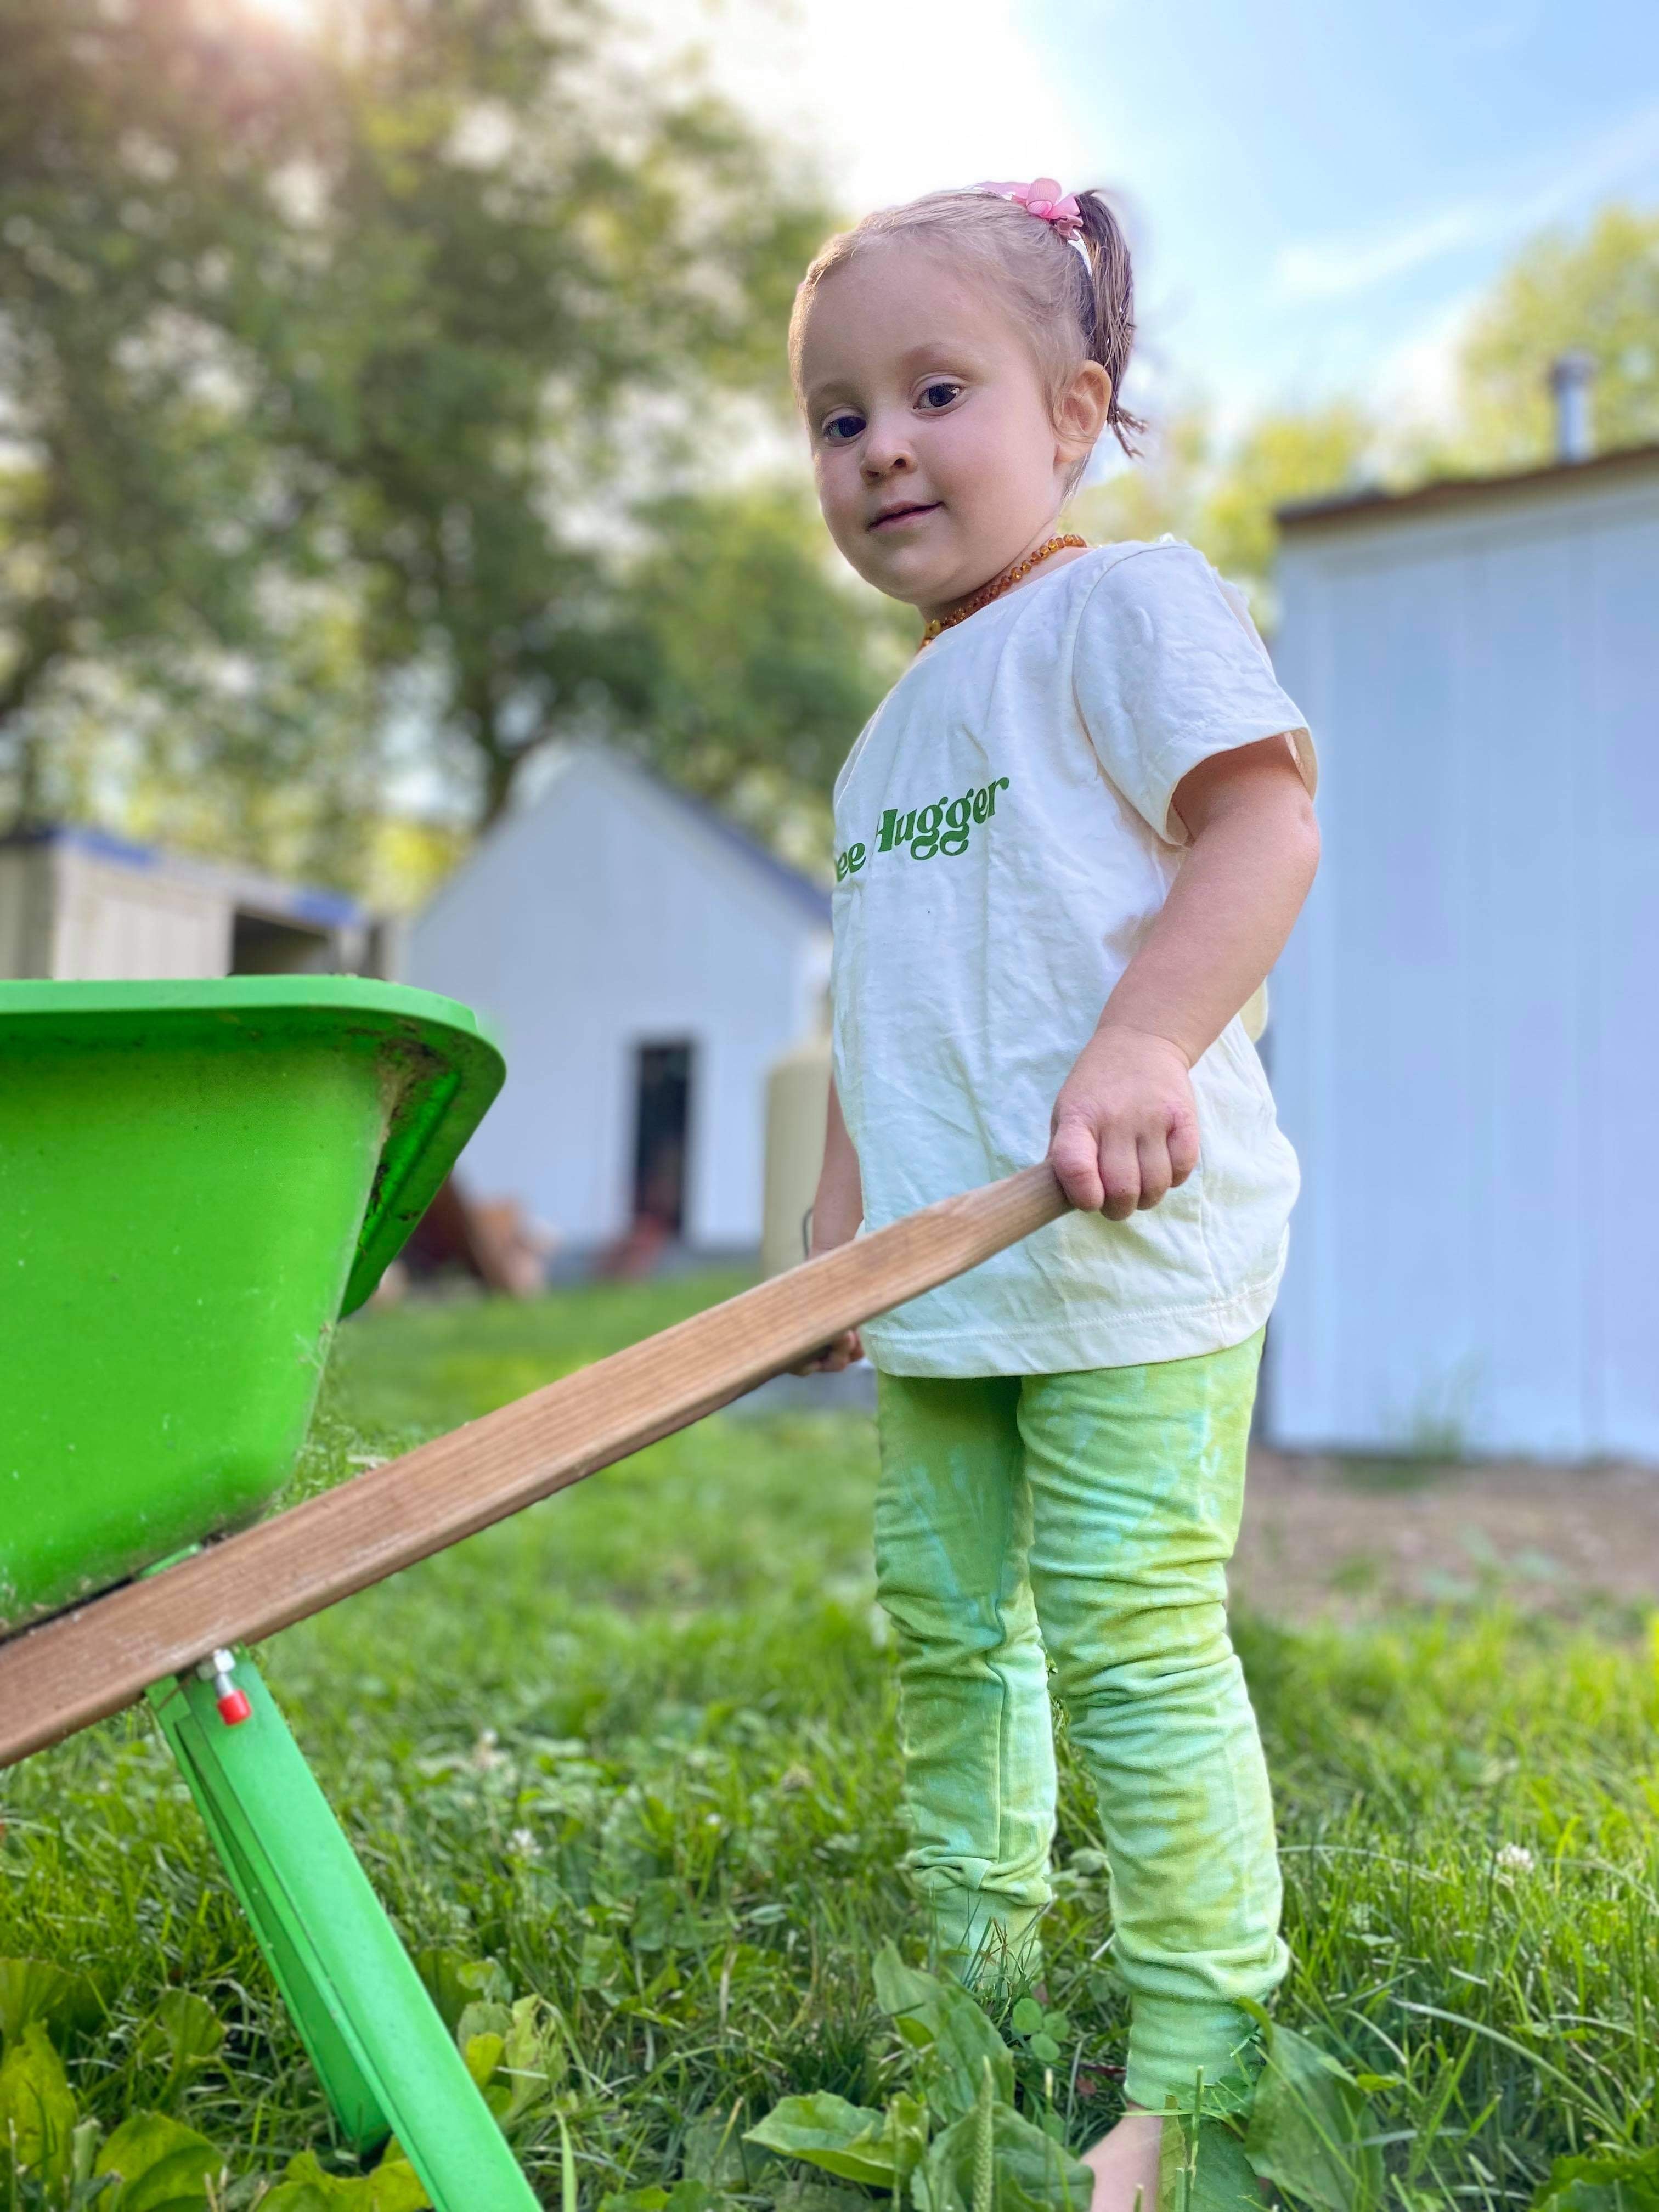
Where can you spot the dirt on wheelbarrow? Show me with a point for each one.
(1350, 1538)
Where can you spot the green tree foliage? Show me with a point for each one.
(1225, 501)
(1598, 293)
(530, 251)
(759, 661)
(1162, 491)
(135, 502)
(380, 331)
(1281, 460)
(275, 758)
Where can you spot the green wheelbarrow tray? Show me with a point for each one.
(196, 1179)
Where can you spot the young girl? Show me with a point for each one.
(1069, 847)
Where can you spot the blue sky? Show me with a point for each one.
(1321, 188)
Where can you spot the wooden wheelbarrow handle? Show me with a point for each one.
(82, 1665)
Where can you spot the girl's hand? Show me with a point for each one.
(831, 1357)
(1124, 1132)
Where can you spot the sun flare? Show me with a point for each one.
(292, 15)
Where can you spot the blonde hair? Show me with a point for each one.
(1074, 307)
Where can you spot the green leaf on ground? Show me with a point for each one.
(28, 1989)
(176, 2184)
(1611, 2181)
(144, 2142)
(1216, 2177)
(715, 2151)
(943, 2018)
(965, 2039)
(482, 2054)
(850, 2140)
(33, 1989)
(1309, 2126)
(906, 1992)
(453, 1981)
(1032, 2172)
(185, 2030)
(392, 2187)
(684, 2196)
(532, 2059)
(37, 2107)
(484, 2016)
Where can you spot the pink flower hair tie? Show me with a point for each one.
(1042, 197)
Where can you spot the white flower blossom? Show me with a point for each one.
(486, 1754)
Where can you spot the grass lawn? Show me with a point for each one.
(632, 1753)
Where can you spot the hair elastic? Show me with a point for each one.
(1042, 197)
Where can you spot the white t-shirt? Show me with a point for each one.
(1003, 838)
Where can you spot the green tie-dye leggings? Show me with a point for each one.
(1090, 1516)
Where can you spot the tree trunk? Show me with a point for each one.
(500, 769)
(502, 761)
(44, 640)
(28, 807)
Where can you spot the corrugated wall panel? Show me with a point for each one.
(114, 924)
(1622, 844)
(1529, 735)
(1466, 1020)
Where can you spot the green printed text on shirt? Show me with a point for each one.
(944, 827)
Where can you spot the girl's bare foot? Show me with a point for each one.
(1124, 2164)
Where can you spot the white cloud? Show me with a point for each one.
(1417, 383)
(1339, 267)
(1334, 269)
(894, 100)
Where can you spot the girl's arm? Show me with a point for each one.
(837, 1210)
(1125, 1128)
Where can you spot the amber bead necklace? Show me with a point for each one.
(999, 584)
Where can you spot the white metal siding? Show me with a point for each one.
(115, 922)
(1466, 1023)
(604, 917)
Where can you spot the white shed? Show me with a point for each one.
(644, 963)
(78, 905)
(1465, 1045)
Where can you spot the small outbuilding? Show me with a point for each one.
(644, 963)
(1465, 1043)
(78, 905)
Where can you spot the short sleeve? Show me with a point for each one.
(1167, 670)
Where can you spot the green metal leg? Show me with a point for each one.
(385, 2057)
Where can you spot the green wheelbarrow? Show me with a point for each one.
(196, 1181)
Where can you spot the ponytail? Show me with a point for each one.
(1108, 306)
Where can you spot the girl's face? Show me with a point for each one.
(939, 464)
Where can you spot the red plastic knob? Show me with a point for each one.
(234, 1708)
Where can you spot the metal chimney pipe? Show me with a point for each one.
(1571, 376)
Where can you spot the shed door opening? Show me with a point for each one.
(663, 1095)
(260, 946)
